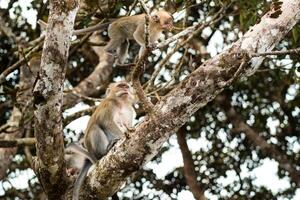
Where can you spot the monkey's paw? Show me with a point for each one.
(111, 144)
(152, 46)
(127, 135)
(72, 171)
(130, 129)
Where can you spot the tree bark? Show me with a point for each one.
(48, 94)
(194, 92)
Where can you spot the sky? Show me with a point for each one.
(266, 173)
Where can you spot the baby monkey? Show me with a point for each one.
(133, 27)
(110, 122)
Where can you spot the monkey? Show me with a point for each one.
(74, 159)
(121, 30)
(111, 121)
(133, 27)
(75, 155)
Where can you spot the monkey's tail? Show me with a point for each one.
(80, 178)
(79, 149)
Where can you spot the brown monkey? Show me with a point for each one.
(129, 28)
(74, 160)
(110, 122)
(133, 27)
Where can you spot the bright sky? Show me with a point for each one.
(266, 173)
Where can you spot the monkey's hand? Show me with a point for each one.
(112, 54)
(71, 171)
(128, 131)
(111, 144)
(152, 46)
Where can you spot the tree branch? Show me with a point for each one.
(20, 62)
(282, 52)
(135, 78)
(79, 114)
(17, 142)
(189, 167)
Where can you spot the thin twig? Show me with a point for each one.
(132, 7)
(145, 7)
(282, 52)
(78, 114)
(17, 142)
(236, 74)
(136, 72)
(81, 96)
(18, 63)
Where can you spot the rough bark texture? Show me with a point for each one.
(48, 94)
(256, 139)
(189, 167)
(194, 92)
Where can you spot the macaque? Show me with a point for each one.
(74, 160)
(127, 28)
(133, 27)
(110, 122)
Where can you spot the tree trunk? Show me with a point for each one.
(48, 94)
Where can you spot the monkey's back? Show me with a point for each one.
(125, 26)
(96, 127)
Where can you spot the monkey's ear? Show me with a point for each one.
(108, 89)
(155, 18)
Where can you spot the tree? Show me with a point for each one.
(206, 97)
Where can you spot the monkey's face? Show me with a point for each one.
(123, 90)
(164, 19)
(167, 24)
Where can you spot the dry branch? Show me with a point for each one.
(282, 52)
(17, 142)
(79, 114)
(189, 167)
(20, 62)
(135, 78)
